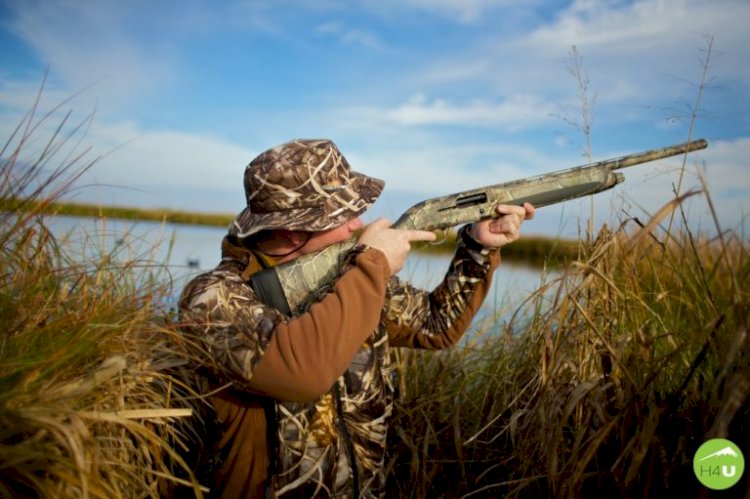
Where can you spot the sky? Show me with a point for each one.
(433, 96)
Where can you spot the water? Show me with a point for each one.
(187, 250)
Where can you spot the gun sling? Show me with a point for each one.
(266, 285)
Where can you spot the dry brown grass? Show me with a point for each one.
(94, 395)
(624, 365)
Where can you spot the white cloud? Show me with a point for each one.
(512, 114)
(426, 168)
(726, 169)
(162, 162)
(167, 159)
(647, 187)
(618, 28)
(612, 25)
(628, 48)
(516, 112)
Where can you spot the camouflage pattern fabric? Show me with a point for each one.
(302, 185)
(312, 438)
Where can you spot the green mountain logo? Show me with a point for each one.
(718, 464)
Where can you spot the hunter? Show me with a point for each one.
(306, 400)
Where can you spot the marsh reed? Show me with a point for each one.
(609, 377)
(624, 364)
(94, 395)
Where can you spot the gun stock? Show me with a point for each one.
(306, 279)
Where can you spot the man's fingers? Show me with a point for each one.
(525, 212)
(410, 235)
(510, 209)
(380, 223)
(530, 210)
(394, 243)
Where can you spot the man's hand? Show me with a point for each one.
(394, 243)
(497, 232)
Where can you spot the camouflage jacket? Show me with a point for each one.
(311, 396)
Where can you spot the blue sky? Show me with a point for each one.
(432, 96)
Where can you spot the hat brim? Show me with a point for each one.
(312, 219)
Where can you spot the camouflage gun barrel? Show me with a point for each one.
(304, 280)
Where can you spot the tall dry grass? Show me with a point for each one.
(607, 380)
(94, 397)
(603, 384)
(621, 368)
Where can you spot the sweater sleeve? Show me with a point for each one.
(295, 359)
(434, 320)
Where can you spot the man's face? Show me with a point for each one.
(325, 238)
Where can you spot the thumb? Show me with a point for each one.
(420, 235)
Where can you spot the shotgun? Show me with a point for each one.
(292, 286)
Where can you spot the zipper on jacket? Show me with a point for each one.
(347, 438)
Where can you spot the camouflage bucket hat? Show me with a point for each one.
(302, 185)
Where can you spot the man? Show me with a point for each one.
(306, 400)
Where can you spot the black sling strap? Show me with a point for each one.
(267, 287)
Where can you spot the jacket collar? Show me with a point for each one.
(251, 260)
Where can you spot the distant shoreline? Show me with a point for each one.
(123, 212)
(532, 249)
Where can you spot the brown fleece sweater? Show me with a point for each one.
(304, 357)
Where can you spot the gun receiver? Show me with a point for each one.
(306, 279)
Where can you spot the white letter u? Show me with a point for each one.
(726, 473)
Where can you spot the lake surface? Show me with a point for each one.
(187, 250)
